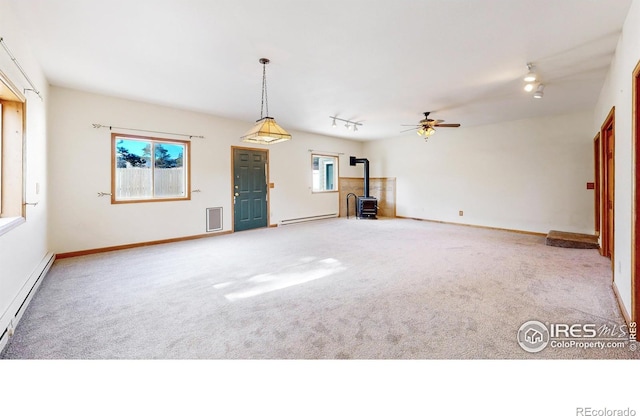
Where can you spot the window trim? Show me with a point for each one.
(9, 223)
(187, 162)
(15, 211)
(336, 174)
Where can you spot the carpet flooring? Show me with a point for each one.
(330, 289)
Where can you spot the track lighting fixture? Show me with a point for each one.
(533, 82)
(349, 124)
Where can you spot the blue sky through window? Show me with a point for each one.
(136, 147)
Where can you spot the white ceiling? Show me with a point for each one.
(379, 62)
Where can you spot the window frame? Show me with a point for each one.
(336, 175)
(12, 156)
(154, 140)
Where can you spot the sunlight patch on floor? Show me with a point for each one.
(307, 271)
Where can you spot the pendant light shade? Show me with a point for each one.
(266, 130)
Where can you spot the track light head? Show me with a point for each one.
(539, 92)
(531, 76)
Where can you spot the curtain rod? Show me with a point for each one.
(24, 74)
(97, 126)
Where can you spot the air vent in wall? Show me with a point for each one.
(214, 219)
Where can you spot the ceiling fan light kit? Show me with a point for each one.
(429, 131)
(427, 126)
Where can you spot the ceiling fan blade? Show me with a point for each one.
(404, 131)
(409, 125)
(447, 125)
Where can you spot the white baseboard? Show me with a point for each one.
(12, 315)
(304, 219)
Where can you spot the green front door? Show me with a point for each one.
(250, 188)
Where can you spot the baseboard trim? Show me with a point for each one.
(13, 314)
(485, 227)
(136, 245)
(306, 219)
(623, 309)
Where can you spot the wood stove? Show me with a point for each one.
(367, 206)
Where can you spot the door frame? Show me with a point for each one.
(635, 228)
(268, 170)
(597, 182)
(608, 187)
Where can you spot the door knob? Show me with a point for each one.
(237, 194)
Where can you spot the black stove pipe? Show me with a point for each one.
(353, 161)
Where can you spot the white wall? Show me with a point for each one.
(22, 249)
(617, 92)
(527, 175)
(80, 158)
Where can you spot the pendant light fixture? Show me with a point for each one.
(266, 130)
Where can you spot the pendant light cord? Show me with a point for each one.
(265, 101)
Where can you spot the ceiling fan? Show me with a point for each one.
(427, 126)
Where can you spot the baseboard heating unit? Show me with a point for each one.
(10, 318)
(304, 219)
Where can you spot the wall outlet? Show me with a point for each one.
(460, 213)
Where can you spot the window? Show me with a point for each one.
(149, 169)
(12, 123)
(325, 173)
